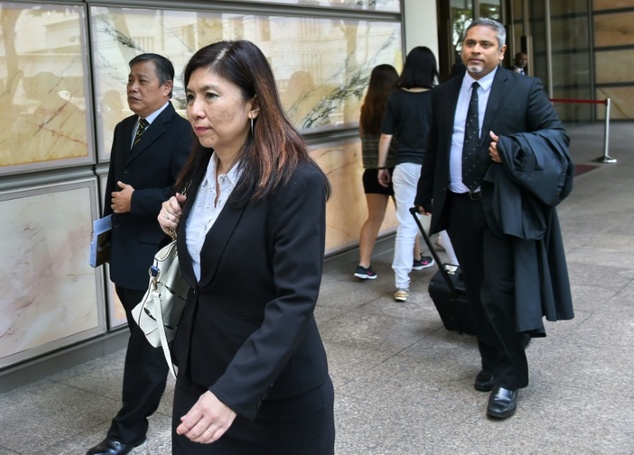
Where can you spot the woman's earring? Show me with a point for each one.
(251, 126)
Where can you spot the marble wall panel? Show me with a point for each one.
(44, 120)
(49, 292)
(322, 66)
(614, 29)
(346, 210)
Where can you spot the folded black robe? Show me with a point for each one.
(535, 175)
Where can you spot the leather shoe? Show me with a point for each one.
(502, 403)
(111, 447)
(483, 381)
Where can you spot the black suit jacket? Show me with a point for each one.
(248, 330)
(151, 167)
(516, 104)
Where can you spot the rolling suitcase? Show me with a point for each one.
(447, 291)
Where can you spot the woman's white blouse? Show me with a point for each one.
(206, 209)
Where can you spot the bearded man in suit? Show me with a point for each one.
(497, 163)
(148, 151)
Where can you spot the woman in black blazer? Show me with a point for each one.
(253, 375)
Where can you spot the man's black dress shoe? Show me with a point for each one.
(111, 447)
(502, 403)
(483, 381)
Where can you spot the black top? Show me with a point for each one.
(408, 116)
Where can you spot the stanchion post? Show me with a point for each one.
(606, 136)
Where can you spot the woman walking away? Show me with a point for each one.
(383, 80)
(407, 116)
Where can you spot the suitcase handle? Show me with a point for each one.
(441, 265)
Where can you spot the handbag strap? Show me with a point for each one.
(163, 338)
(183, 191)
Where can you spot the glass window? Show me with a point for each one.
(490, 10)
(322, 65)
(366, 5)
(44, 121)
(461, 17)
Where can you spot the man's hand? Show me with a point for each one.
(122, 200)
(493, 148)
(420, 209)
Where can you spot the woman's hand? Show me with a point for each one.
(207, 420)
(384, 177)
(170, 214)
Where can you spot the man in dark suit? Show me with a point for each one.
(474, 116)
(149, 149)
(519, 63)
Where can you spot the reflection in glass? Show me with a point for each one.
(490, 9)
(322, 65)
(366, 5)
(461, 17)
(42, 85)
(571, 62)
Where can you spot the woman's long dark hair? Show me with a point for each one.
(383, 80)
(420, 69)
(275, 149)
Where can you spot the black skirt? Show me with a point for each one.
(298, 425)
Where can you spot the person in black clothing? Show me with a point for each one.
(520, 63)
(148, 151)
(458, 68)
(252, 369)
(496, 146)
(407, 117)
(383, 80)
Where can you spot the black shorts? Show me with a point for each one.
(371, 183)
